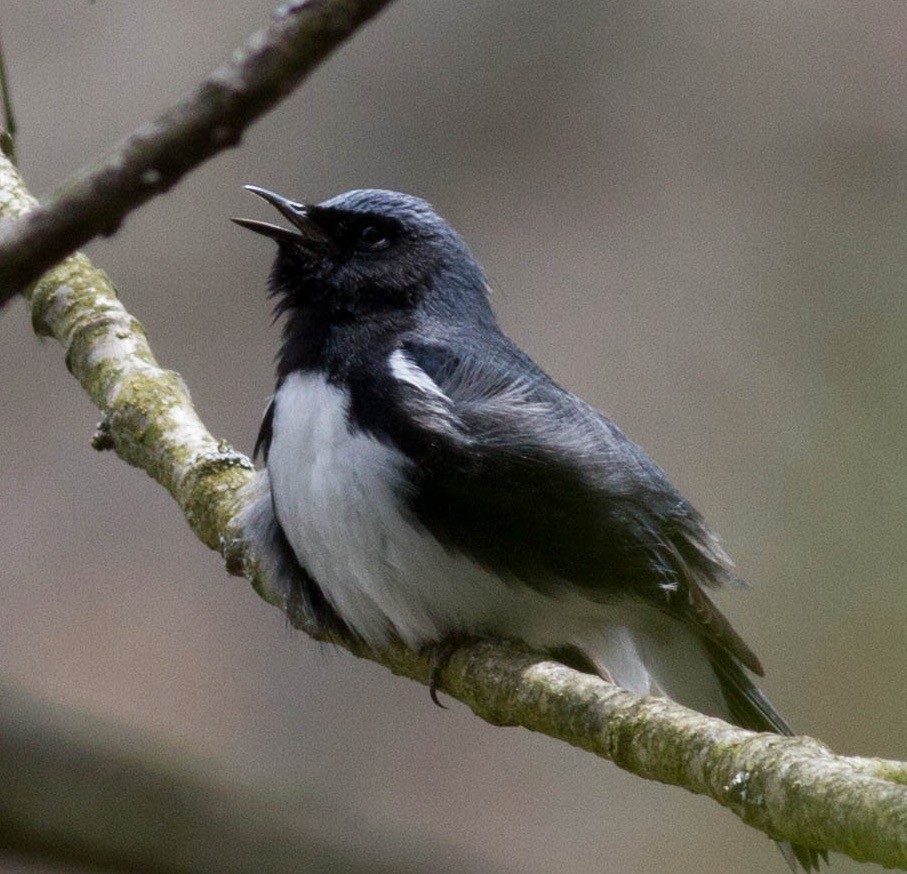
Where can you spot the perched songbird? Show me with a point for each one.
(426, 479)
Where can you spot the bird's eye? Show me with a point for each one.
(372, 237)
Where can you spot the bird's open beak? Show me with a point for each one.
(307, 231)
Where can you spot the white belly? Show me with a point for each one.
(338, 497)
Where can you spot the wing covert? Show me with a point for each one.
(535, 484)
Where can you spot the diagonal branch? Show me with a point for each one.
(156, 156)
(791, 788)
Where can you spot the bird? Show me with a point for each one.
(426, 481)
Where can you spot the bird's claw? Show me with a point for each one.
(441, 654)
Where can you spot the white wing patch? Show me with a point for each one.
(432, 406)
(406, 370)
(476, 401)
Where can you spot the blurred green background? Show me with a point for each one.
(693, 215)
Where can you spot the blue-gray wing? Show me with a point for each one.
(537, 485)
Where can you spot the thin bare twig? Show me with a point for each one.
(156, 156)
(8, 134)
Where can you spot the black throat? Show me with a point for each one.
(342, 347)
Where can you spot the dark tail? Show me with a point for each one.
(749, 708)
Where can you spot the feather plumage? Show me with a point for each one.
(426, 478)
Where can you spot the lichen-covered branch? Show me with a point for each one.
(156, 156)
(791, 788)
(146, 411)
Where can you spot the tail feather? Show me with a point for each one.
(749, 708)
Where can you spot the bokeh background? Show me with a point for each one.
(693, 214)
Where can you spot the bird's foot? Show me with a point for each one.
(441, 654)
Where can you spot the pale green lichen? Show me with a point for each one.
(148, 414)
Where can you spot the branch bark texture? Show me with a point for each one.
(793, 789)
(156, 156)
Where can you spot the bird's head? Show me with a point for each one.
(367, 252)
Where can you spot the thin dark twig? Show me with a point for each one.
(157, 155)
(9, 118)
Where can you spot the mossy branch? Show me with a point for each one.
(154, 158)
(792, 789)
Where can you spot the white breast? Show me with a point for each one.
(339, 497)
